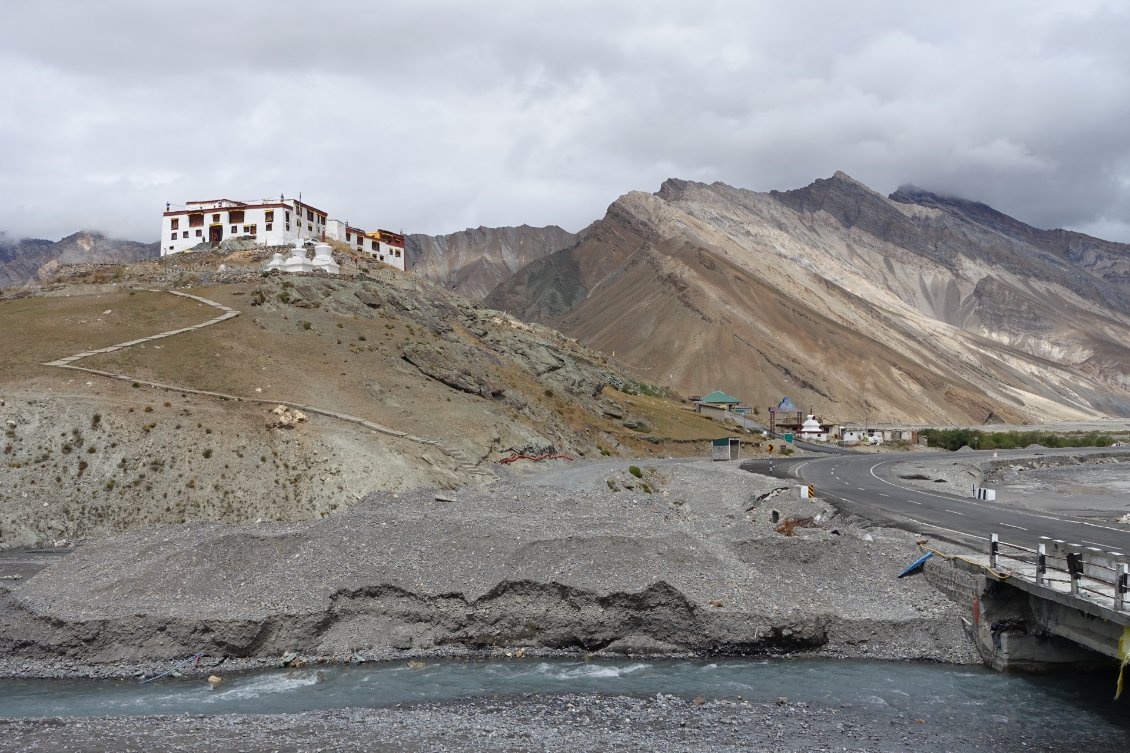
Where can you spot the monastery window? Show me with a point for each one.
(269, 216)
(199, 233)
(184, 234)
(288, 227)
(176, 223)
(235, 217)
(397, 253)
(173, 237)
(234, 229)
(309, 214)
(215, 218)
(268, 227)
(309, 227)
(254, 230)
(196, 220)
(288, 216)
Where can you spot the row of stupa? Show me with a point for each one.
(298, 261)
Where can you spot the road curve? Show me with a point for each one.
(863, 484)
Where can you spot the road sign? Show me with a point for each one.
(811, 491)
(788, 437)
(770, 448)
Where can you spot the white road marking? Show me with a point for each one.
(883, 495)
(911, 501)
(955, 512)
(1009, 525)
(1105, 528)
(1094, 543)
(959, 533)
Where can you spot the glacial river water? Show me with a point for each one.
(1074, 712)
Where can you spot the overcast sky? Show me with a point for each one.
(436, 116)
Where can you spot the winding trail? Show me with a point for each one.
(68, 362)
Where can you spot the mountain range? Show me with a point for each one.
(908, 307)
(26, 260)
(912, 307)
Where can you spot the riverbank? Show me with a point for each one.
(671, 558)
(571, 724)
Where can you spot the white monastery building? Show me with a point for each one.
(270, 222)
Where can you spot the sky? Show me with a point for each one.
(431, 117)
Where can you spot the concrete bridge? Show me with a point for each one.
(1058, 604)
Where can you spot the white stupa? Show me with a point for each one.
(323, 259)
(298, 261)
(813, 430)
(277, 261)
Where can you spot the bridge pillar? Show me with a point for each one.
(1010, 636)
(1014, 630)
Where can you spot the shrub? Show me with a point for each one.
(635, 471)
(789, 526)
(207, 452)
(135, 385)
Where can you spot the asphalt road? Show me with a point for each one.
(863, 484)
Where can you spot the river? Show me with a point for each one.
(983, 705)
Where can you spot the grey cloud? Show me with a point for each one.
(434, 116)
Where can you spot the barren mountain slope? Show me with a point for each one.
(858, 305)
(472, 262)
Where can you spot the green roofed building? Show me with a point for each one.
(719, 399)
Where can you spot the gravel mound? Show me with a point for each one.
(679, 557)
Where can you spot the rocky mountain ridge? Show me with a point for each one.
(26, 260)
(912, 307)
(474, 261)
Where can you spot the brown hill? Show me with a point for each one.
(403, 384)
(912, 307)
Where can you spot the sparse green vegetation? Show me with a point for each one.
(207, 452)
(635, 471)
(955, 439)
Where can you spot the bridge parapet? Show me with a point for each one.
(1090, 575)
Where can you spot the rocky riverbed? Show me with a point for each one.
(547, 724)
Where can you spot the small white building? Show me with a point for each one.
(863, 436)
(267, 222)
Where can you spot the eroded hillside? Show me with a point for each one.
(407, 385)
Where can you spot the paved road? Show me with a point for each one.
(864, 485)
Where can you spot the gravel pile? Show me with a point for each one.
(662, 558)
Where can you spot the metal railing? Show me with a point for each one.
(1085, 572)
